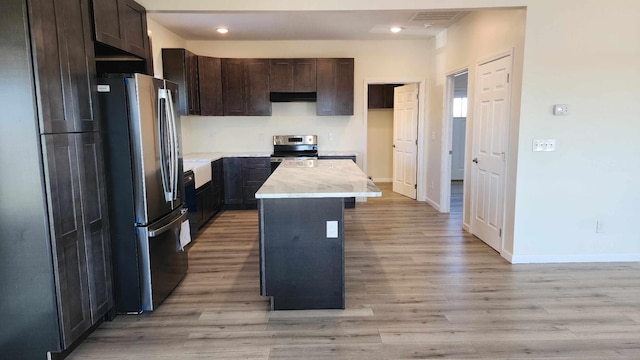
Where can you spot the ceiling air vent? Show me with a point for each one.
(437, 17)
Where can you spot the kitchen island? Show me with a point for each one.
(301, 230)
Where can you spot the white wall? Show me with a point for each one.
(373, 59)
(162, 37)
(595, 172)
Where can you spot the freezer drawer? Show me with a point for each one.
(163, 264)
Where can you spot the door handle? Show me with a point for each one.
(475, 160)
(394, 146)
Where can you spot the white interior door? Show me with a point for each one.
(405, 139)
(490, 134)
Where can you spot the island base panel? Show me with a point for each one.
(302, 267)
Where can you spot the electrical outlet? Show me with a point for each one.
(330, 136)
(599, 227)
(332, 229)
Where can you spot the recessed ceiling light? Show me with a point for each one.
(396, 29)
(222, 30)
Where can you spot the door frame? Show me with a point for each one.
(505, 181)
(421, 179)
(447, 141)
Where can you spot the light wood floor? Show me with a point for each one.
(417, 287)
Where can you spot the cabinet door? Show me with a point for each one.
(256, 74)
(96, 224)
(135, 29)
(233, 87)
(65, 71)
(344, 87)
(233, 181)
(68, 242)
(108, 22)
(292, 75)
(304, 75)
(376, 96)
(335, 86)
(217, 185)
(281, 75)
(326, 86)
(204, 200)
(210, 86)
(181, 67)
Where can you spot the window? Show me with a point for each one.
(460, 107)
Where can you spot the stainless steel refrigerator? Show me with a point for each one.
(143, 161)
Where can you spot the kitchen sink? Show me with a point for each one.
(201, 170)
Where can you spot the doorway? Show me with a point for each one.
(454, 141)
(378, 161)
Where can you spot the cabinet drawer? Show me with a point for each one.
(257, 162)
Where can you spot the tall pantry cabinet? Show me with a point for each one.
(55, 265)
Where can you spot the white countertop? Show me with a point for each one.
(317, 179)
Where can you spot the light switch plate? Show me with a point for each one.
(332, 229)
(546, 145)
(561, 110)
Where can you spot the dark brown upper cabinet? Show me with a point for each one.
(245, 85)
(292, 75)
(335, 86)
(181, 67)
(380, 96)
(122, 25)
(210, 86)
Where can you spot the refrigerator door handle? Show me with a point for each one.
(162, 141)
(166, 227)
(174, 143)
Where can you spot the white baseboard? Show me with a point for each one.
(432, 203)
(584, 258)
(382, 180)
(507, 255)
(466, 227)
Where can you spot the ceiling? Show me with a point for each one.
(308, 25)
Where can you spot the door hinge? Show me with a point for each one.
(450, 152)
(508, 76)
(416, 142)
(500, 233)
(415, 186)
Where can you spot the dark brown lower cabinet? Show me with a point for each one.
(242, 178)
(79, 231)
(217, 185)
